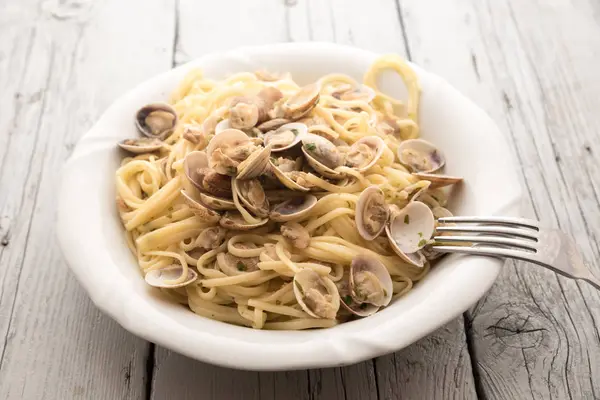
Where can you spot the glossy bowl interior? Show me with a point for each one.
(91, 235)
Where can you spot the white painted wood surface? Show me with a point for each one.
(532, 65)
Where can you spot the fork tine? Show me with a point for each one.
(486, 251)
(522, 244)
(494, 230)
(525, 223)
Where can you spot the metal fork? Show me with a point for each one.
(517, 238)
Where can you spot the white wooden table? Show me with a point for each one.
(533, 65)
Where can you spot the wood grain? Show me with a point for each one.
(345, 22)
(61, 64)
(532, 66)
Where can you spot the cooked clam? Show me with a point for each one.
(365, 153)
(370, 285)
(317, 295)
(288, 177)
(199, 208)
(409, 231)
(156, 120)
(267, 97)
(235, 221)
(232, 265)
(420, 156)
(349, 92)
(322, 155)
(228, 149)
(301, 103)
(243, 112)
(297, 235)
(216, 184)
(293, 209)
(195, 166)
(256, 164)
(168, 277)
(286, 136)
(372, 213)
(211, 238)
(252, 196)
(438, 181)
(141, 145)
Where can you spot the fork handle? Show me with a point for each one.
(506, 253)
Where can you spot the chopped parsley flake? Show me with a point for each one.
(274, 160)
(420, 234)
(232, 170)
(347, 299)
(363, 306)
(407, 219)
(241, 266)
(422, 242)
(294, 131)
(311, 146)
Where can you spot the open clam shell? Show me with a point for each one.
(322, 155)
(272, 124)
(428, 251)
(223, 125)
(255, 165)
(438, 181)
(302, 102)
(409, 230)
(156, 120)
(194, 167)
(217, 203)
(233, 220)
(252, 195)
(199, 208)
(352, 93)
(286, 179)
(372, 213)
(420, 156)
(166, 277)
(370, 281)
(365, 153)
(293, 209)
(141, 145)
(317, 295)
(286, 136)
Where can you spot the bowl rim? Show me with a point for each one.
(347, 348)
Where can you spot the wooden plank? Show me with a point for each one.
(61, 65)
(346, 22)
(533, 66)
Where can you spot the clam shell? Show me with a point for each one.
(217, 203)
(367, 263)
(255, 165)
(193, 165)
(410, 229)
(438, 181)
(260, 209)
(375, 144)
(273, 137)
(285, 180)
(293, 209)
(306, 279)
(426, 157)
(143, 113)
(141, 145)
(313, 147)
(301, 103)
(372, 195)
(200, 209)
(162, 277)
(222, 126)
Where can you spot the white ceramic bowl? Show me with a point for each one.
(93, 243)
